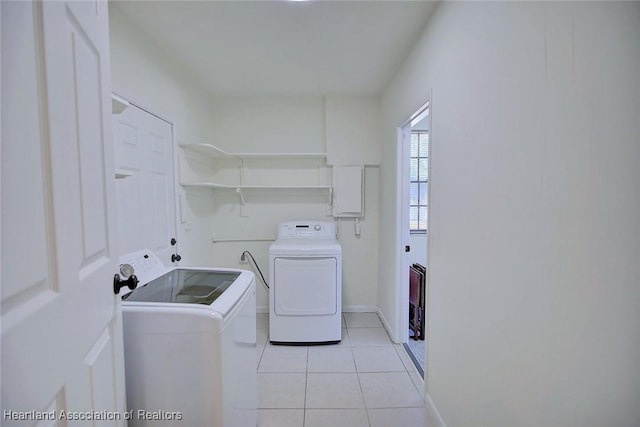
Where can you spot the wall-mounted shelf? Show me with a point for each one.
(118, 104)
(254, 187)
(123, 173)
(210, 167)
(212, 151)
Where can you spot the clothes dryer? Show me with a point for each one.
(305, 296)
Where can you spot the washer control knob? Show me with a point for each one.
(126, 270)
(317, 227)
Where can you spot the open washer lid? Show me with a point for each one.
(161, 287)
(184, 286)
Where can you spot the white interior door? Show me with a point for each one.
(145, 198)
(61, 330)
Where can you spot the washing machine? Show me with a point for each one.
(305, 276)
(189, 344)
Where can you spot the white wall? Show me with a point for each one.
(534, 295)
(353, 130)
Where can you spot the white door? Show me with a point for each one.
(61, 330)
(146, 197)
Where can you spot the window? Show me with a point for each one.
(418, 188)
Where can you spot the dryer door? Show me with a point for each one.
(305, 286)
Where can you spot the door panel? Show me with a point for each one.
(127, 146)
(144, 146)
(87, 120)
(99, 360)
(30, 274)
(131, 226)
(61, 336)
(160, 234)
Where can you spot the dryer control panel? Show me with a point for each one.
(306, 230)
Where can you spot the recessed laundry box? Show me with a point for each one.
(305, 296)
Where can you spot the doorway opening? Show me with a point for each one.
(414, 165)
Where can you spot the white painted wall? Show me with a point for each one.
(534, 296)
(353, 130)
(268, 124)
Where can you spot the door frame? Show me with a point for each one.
(403, 145)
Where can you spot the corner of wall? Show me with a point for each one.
(433, 415)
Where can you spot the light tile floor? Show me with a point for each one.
(365, 380)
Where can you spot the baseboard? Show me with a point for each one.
(360, 309)
(385, 323)
(346, 309)
(433, 411)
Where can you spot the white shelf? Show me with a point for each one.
(123, 173)
(311, 162)
(118, 104)
(239, 189)
(216, 153)
(254, 187)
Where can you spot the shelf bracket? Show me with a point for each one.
(241, 194)
(243, 208)
(118, 104)
(330, 201)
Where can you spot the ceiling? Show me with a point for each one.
(284, 48)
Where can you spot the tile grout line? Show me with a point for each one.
(366, 409)
(306, 385)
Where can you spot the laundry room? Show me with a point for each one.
(217, 225)
(251, 160)
(207, 213)
(246, 163)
